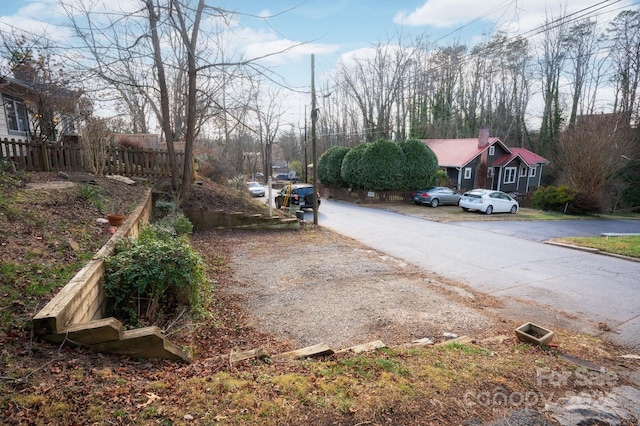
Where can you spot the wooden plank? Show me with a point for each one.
(93, 332)
(60, 311)
(320, 349)
(147, 342)
(419, 343)
(365, 347)
(253, 353)
(459, 340)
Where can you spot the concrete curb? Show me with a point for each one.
(592, 250)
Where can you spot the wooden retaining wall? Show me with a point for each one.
(75, 314)
(218, 219)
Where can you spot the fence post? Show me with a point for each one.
(44, 156)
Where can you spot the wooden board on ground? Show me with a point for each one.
(365, 347)
(459, 340)
(425, 341)
(253, 353)
(320, 349)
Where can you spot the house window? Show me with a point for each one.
(492, 150)
(532, 172)
(467, 172)
(16, 112)
(523, 171)
(510, 174)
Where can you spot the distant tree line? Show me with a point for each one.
(171, 64)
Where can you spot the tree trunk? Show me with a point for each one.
(164, 96)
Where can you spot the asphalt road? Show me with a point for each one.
(581, 288)
(547, 229)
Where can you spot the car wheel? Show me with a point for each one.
(464, 209)
(278, 204)
(489, 210)
(514, 209)
(435, 202)
(417, 203)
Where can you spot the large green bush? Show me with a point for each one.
(420, 164)
(383, 163)
(352, 166)
(150, 276)
(330, 167)
(374, 166)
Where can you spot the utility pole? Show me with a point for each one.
(306, 143)
(314, 117)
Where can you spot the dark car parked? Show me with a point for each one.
(435, 196)
(285, 177)
(300, 194)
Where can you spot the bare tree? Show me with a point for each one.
(594, 152)
(14, 52)
(96, 137)
(268, 113)
(159, 59)
(445, 82)
(625, 50)
(375, 82)
(54, 106)
(581, 45)
(289, 144)
(551, 64)
(498, 88)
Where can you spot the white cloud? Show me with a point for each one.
(445, 13)
(33, 28)
(283, 51)
(45, 8)
(48, 19)
(519, 16)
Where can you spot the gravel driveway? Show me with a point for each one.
(314, 286)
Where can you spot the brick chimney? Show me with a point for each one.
(483, 136)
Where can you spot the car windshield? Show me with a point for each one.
(253, 184)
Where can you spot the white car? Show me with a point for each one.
(488, 201)
(255, 189)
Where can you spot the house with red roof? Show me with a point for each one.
(486, 162)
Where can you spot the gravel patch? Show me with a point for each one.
(313, 286)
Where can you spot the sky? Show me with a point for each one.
(334, 29)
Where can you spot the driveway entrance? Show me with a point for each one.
(559, 285)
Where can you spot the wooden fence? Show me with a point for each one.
(368, 197)
(50, 157)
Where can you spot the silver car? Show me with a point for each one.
(255, 189)
(435, 196)
(488, 201)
